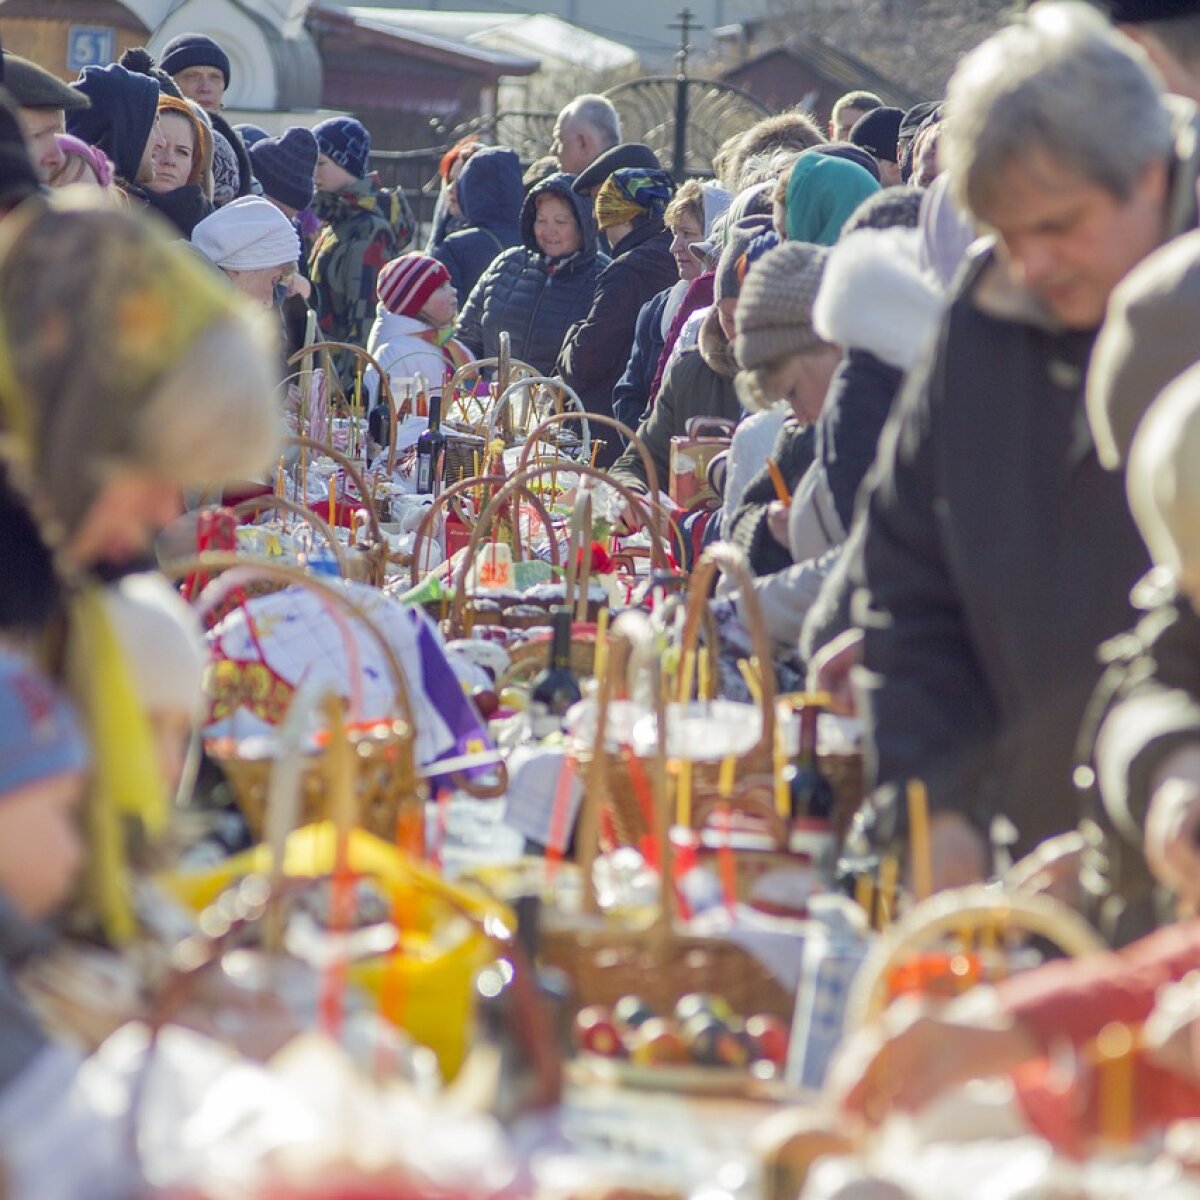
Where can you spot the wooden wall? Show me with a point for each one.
(43, 38)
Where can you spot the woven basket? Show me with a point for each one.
(656, 960)
(389, 793)
(968, 911)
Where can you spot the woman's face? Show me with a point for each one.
(174, 162)
(686, 229)
(803, 380)
(554, 228)
(130, 509)
(147, 169)
(259, 285)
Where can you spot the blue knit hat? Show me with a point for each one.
(346, 141)
(285, 165)
(193, 50)
(40, 735)
(121, 116)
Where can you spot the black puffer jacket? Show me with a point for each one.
(533, 298)
(597, 348)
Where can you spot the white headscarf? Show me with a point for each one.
(248, 234)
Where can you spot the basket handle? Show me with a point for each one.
(363, 359)
(725, 557)
(260, 504)
(588, 419)
(379, 544)
(450, 496)
(238, 569)
(696, 426)
(565, 393)
(755, 796)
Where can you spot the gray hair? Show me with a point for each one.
(596, 112)
(759, 168)
(1060, 80)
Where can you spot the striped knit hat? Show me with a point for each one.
(407, 282)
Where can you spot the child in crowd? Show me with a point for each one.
(413, 329)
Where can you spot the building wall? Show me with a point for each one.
(40, 29)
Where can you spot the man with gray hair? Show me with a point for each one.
(848, 110)
(585, 129)
(997, 554)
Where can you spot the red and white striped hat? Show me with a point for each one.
(407, 282)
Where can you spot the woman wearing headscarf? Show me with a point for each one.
(821, 194)
(127, 373)
(629, 209)
(255, 246)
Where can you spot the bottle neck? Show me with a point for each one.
(560, 650)
(435, 412)
(806, 756)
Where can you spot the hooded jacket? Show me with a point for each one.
(998, 555)
(597, 348)
(532, 298)
(490, 195)
(366, 226)
(699, 384)
(124, 105)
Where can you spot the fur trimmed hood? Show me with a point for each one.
(874, 296)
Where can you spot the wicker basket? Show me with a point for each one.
(389, 793)
(605, 959)
(967, 911)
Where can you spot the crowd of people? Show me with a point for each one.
(956, 348)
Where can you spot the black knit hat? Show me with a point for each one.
(284, 166)
(1133, 12)
(877, 131)
(32, 86)
(141, 61)
(193, 50)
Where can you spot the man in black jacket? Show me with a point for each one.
(997, 554)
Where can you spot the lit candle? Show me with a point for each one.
(920, 850)
(600, 662)
(683, 794)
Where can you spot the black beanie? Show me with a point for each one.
(285, 165)
(877, 133)
(193, 50)
(124, 106)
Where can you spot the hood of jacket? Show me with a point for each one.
(490, 191)
(559, 184)
(363, 196)
(874, 296)
(714, 346)
(390, 325)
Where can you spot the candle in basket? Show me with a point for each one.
(333, 499)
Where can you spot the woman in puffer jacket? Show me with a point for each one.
(536, 291)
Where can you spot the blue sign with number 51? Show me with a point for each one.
(90, 46)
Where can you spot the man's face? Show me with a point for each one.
(839, 128)
(39, 125)
(889, 173)
(205, 85)
(1070, 241)
(573, 146)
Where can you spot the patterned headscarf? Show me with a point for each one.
(96, 308)
(631, 193)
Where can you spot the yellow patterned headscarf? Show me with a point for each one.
(97, 305)
(631, 193)
(98, 308)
